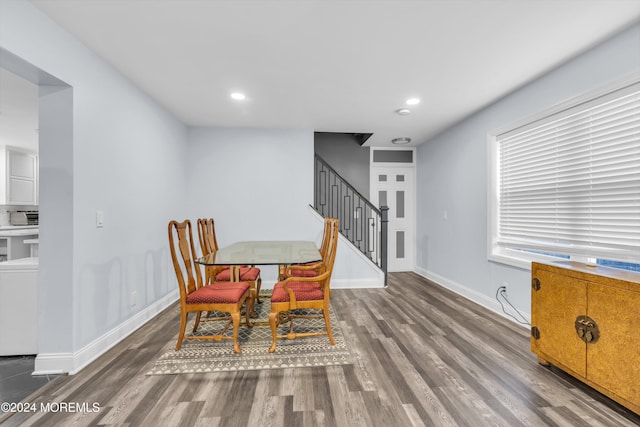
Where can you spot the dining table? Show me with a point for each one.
(263, 252)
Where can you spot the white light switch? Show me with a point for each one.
(99, 219)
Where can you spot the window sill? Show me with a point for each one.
(517, 260)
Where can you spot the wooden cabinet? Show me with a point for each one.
(586, 321)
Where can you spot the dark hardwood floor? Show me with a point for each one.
(422, 356)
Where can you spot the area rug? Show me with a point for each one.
(198, 356)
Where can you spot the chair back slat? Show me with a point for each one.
(187, 271)
(208, 244)
(329, 255)
(332, 245)
(326, 237)
(207, 235)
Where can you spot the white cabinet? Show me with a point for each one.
(15, 243)
(22, 170)
(19, 308)
(14, 248)
(20, 186)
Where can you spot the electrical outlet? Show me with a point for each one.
(503, 289)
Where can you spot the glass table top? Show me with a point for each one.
(272, 252)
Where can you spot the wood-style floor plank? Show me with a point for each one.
(423, 356)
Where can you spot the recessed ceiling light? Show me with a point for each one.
(413, 101)
(403, 111)
(400, 141)
(238, 96)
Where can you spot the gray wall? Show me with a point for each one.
(111, 148)
(116, 151)
(265, 195)
(347, 157)
(452, 175)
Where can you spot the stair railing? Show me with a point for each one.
(362, 223)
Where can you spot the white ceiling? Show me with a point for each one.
(337, 66)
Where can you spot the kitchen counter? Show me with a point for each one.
(29, 263)
(12, 242)
(17, 227)
(13, 231)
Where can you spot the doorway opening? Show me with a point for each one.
(393, 184)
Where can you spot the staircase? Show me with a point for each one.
(362, 223)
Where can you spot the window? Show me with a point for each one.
(392, 156)
(567, 182)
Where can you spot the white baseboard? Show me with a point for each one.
(470, 294)
(373, 282)
(358, 283)
(72, 363)
(53, 363)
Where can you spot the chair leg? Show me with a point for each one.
(183, 326)
(197, 322)
(273, 322)
(250, 311)
(251, 302)
(235, 318)
(258, 285)
(327, 322)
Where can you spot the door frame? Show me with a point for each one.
(374, 169)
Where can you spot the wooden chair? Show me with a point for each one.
(311, 269)
(195, 297)
(222, 273)
(305, 293)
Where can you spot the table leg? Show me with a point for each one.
(234, 276)
(234, 271)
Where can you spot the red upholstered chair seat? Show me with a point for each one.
(304, 291)
(249, 274)
(219, 293)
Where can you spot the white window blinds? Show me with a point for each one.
(569, 183)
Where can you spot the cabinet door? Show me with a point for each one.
(21, 178)
(21, 165)
(555, 307)
(21, 192)
(613, 362)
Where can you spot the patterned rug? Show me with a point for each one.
(198, 356)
